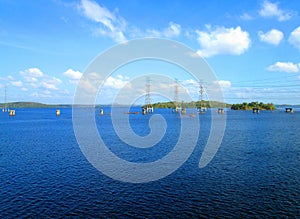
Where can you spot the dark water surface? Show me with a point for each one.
(255, 173)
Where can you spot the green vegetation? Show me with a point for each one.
(33, 105)
(193, 104)
(250, 106)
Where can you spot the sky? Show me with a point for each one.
(253, 47)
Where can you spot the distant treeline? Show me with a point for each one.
(33, 105)
(250, 106)
(193, 104)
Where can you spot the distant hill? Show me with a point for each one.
(33, 105)
(208, 104)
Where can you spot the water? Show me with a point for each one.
(255, 173)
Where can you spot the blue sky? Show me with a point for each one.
(252, 46)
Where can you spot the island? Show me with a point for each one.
(192, 104)
(252, 105)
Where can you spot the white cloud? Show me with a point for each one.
(50, 83)
(17, 83)
(53, 80)
(190, 85)
(73, 75)
(223, 84)
(32, 72)
(115, 82)
(112, 25)
(284, 67)
(7, 78)
(272, 37)
(30, 79)
(48, 86)
(294, 38)
(246, 17)
(151, 33)
(172, 31)
(35, 78)
(223, 40)
(270, 9)
(90, 83)
(190, 82)
(97, 13)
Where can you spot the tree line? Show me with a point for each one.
(250, 106)
(192, 104)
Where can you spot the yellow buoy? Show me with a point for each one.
(12, 112)
(221, 111)
(57, 112)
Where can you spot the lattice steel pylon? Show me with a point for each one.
(201, 107)
(148, 104)
(201, 91)
(176, 97)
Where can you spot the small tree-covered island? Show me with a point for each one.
(215, 104)
(250, 106)
(197, 104)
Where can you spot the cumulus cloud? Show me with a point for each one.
(111, 24)
(273, 36)
(48, 86)
(17, 83)
(32, 74)
(223, 84)
(284, 67)
(35, 78)
(270, 9)
(172, 31)
(50, 83)
(190, 82)
(73, 75)
(115, 82)
(223, 40)
(294, 38)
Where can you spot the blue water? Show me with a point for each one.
(255, 173)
